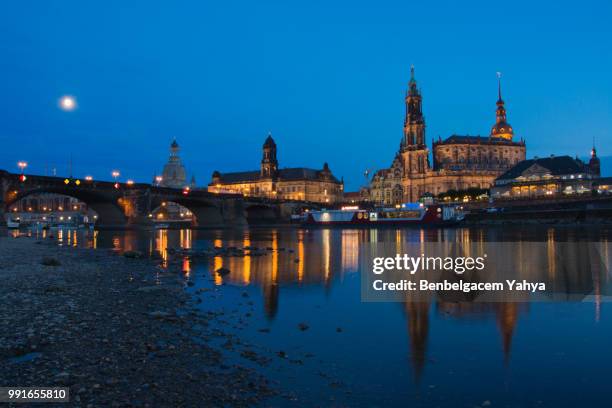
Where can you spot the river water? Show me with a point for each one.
(411, 353)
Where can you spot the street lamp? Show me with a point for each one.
(158, 180)
(22, 165)
(116, 174)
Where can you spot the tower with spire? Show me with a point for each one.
(269, 163)
(502, 128)
(414, 122)
(460, 162)
(594, 164)
(413, 148)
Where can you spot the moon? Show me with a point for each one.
(67, 103)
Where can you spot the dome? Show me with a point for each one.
(174, 175)
(503, 130)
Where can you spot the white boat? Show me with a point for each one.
(405, 214)
(12, 224)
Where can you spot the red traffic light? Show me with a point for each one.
(116, 185)
(22, 178)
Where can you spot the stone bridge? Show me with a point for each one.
(123, 205)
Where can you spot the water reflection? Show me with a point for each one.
(322, 261)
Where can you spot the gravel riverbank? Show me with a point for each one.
(117, 331)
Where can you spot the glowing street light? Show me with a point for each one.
(159, 179)
(130, 182)
(115, 174)
(67, 103)
(22, 165)
(88, 178)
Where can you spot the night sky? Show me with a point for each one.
(326, 78)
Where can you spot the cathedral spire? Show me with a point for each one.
(502, 128)
(594, 163)
(414, 122)
(412, 84)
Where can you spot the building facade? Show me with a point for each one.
(270, 181)
(174, 174)
(549, 177)
(459, 162)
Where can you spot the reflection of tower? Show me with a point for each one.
(270, 288)
(507, 317)
(418, 328)
(270, 294)
(326, 256)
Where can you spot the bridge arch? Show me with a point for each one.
(107, 206)
(205, 213)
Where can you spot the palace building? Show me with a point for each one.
(459, 162)
(270, 181)
(550, 176)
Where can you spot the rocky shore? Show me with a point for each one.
(117, 331)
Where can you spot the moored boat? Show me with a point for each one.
(406, 214)
(12, 224)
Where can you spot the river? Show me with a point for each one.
(302, 303)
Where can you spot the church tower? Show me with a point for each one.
(594, 164)
(413, 146)
(174, 174)
(414, 122)
(269, 164)
(501, 129)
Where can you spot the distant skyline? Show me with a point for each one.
(327, 79)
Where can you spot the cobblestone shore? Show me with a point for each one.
(116, 331)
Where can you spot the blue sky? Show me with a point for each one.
(327, 78)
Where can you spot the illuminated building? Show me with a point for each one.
(459, 162)
(550, 176)
(174, 175)
(50, 208)
(270, 181)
